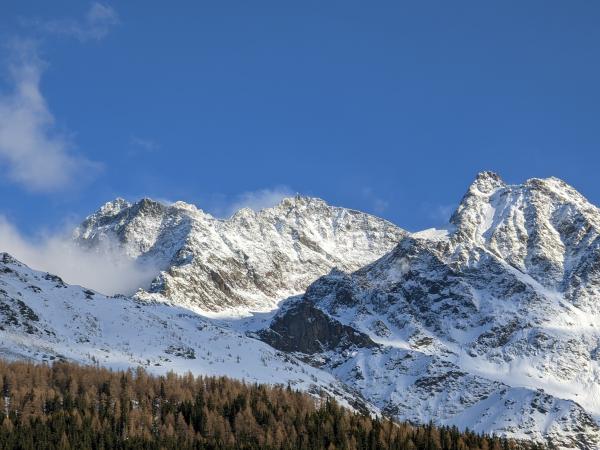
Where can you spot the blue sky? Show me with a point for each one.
(387, 107)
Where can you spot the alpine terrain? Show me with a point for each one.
(492, 323)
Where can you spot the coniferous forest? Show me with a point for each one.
(67, 406)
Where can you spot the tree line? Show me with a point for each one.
(67, 406)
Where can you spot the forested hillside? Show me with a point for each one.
(66, 406)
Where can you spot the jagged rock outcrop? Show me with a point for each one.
(306, 329)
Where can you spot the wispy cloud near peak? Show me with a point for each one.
(109, 271)
(32, 152)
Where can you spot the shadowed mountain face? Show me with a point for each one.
(249, 261)
(492, 323)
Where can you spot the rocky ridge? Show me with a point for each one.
(247, 262)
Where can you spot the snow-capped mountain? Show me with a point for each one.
(491, 324)
(249, 261)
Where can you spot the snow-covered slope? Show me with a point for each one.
(44, 319)
(249, 261)
(487, 324)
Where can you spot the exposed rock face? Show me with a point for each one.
(250, 261)
(306, 329)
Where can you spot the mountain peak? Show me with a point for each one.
(114, 207)
(185, 206)
(6, 258)
(473, 208)
(543, 226)
(486, 182)
(300, 201)
(147, 205)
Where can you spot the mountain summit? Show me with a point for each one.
(543, 227)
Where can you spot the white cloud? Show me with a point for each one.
(256, 200)
(95, 25)
(32, 152)
(108, 271)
